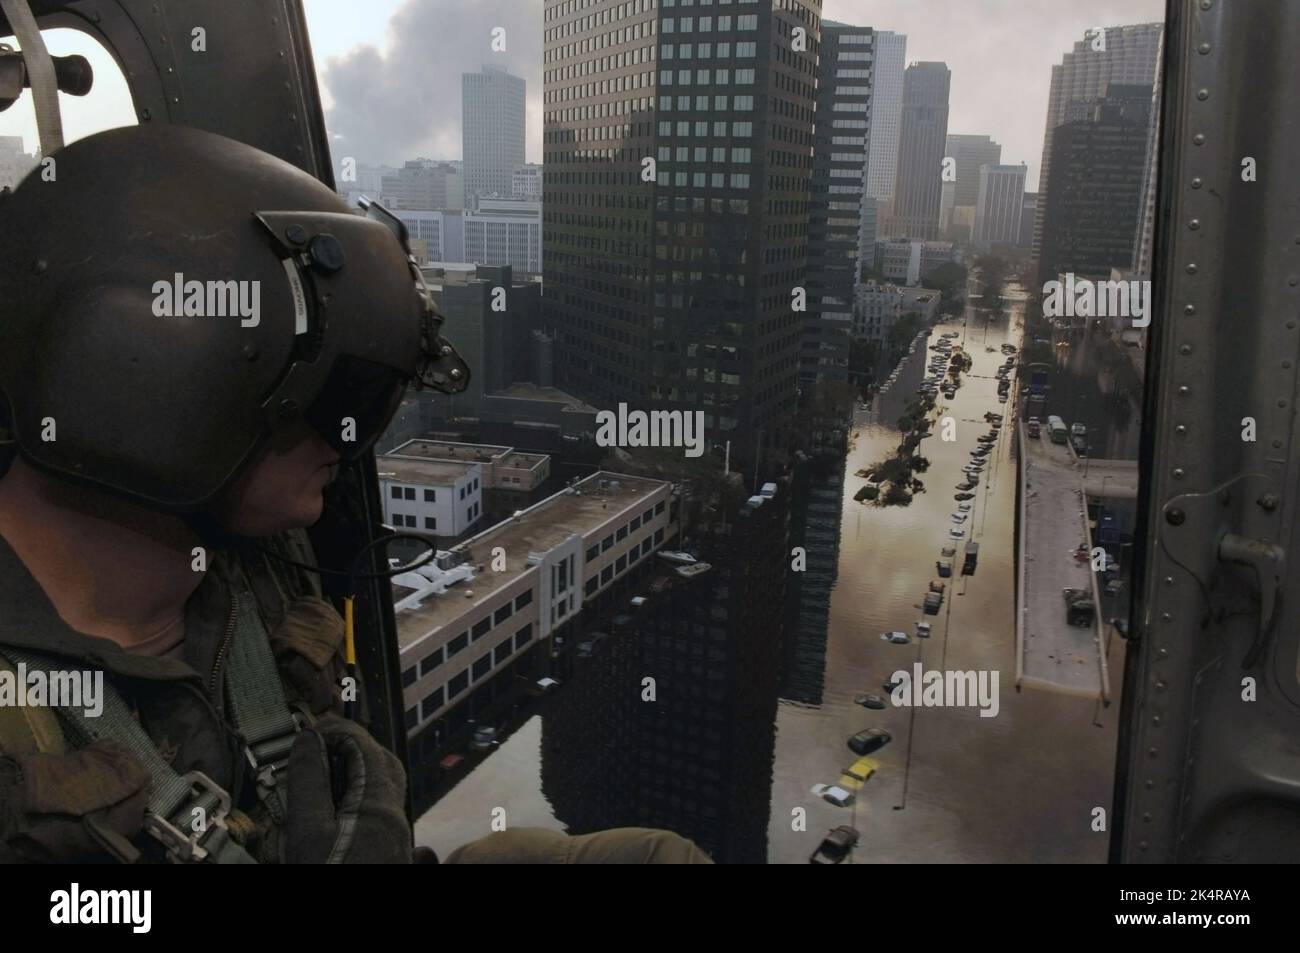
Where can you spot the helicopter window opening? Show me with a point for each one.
(108, 105)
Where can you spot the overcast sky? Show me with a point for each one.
(390, 69)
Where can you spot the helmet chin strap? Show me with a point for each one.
(40, 71)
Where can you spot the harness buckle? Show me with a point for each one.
(182, 847)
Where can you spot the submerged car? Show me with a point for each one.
(895, 638)
(835, 846)
(922, 629)
(866, 742)
(962, 497)
(834, 794)
(874, 702)
(956, 532)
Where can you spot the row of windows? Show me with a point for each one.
(412, 522)
(702, 79)
(701, 154)
(616, 568)
(747, 21)
(481, 628)
(739, 130)
(408, 493)
(444, 694)
(702, 103)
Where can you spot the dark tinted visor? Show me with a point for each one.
(356, 405)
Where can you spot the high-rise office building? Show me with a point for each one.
(1000, 205)
(836, 232)
(678, 152)
(1093, 204)
(1143, 249)
(1120, 54)
(971, 153)
(923, 136)
(890, 60)
(493, 127)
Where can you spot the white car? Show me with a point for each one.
(922, 629)
(956, 532)
(833, 793)
(959, 518)
(963, 507)
(895, 638)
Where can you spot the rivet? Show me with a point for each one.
(1183, 390)
(1169, 580)
(1185, 349)
(1198, 139)
(1150, 785)
(1206, 4)
(1181, 430)
(1192, 269)
(1277, 444)
(1196, 183)
(1166, 617)
(1202, 94)
(1293, 281)
(1146, 818)
(1179, 473)
(1190, 309)
(1175, 517)
(1142, 845)
(1203, 48)
(1194, 224)
(1163, 653)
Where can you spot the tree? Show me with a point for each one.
(896, 495)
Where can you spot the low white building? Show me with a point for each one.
(431, 497)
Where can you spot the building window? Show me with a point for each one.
(620, 564)
(592, 585)
(659, 507)
(462, 493)
(606, 575)
(636, 523)
(397, 492)
(408, 677)
(410, 493)
(432, 703)
(457, 685)
(457, 644)
(523, 636)
(502, 652)
(432, 662)
(412, 717)
(523, 599)
(622, 534)
(430, 523)
(606, 543)
(481, 628)
(659, 536)
(502, 614)
(593, 552)
(430, 496)
(482, 667)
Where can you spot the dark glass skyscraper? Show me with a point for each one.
(837, 239)
(1094, 200)
(678, 151)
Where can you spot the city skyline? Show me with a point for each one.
(373, 70)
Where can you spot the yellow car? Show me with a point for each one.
(858, 773)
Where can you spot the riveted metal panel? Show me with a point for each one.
(1204, 773)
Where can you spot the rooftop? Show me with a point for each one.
(432, 472)
(539, 528)
(469, 453)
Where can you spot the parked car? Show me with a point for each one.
(834, 794)
(874, 702)
(956, 532)
(835, 846)
(963, 507)
(871, 740)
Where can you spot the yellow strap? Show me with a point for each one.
(28, 730)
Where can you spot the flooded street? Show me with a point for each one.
(952, 786)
